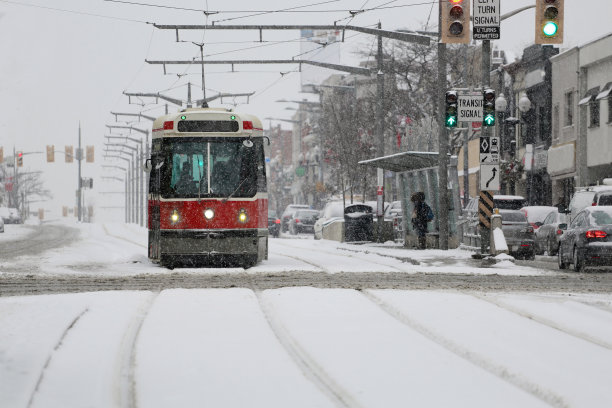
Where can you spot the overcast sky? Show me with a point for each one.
(65, 61)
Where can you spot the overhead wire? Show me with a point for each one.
(73, 11)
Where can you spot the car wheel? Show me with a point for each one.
(562, 265)
(577, 261)
(531, 256)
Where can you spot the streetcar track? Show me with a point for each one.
(57, 346)
(126, 377)
(297, 258)
(349, 256)
(305, 362)
(498, 370)
(543, 321)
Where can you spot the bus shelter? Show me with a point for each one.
(418, 171)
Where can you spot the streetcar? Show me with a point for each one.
(207, 198)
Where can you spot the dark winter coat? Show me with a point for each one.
(420, 217)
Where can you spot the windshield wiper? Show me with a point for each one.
(234, 192)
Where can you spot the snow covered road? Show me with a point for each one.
(316, 325)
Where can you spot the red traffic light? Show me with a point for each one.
(19, 154)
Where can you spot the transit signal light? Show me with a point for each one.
(19, 159)
(549, 22)
(455, 21)
(50, 153)
(451, 109)
(488, 107)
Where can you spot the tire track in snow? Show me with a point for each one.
(297, 258)
(305, 362)
(544, 321)
(41, 376)
(122, 238)
(348, 256)
(125, 378)
(473, 357)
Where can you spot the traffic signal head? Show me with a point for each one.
(50, 153)
(451, 109)
(455, 21)
(19, 159)
(488, 107)
(549, 22)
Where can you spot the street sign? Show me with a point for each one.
(489, 177)
(470, 107)
(486, 20)
(489, 150)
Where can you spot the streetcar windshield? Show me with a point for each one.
(211, 168)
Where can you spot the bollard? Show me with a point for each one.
(498, 241)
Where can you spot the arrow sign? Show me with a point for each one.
(489, 177)
(489, 119)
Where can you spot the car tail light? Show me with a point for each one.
(525, 245)
(594, 204)
(277, 221)
(596, 234)
(559, 232)
(297, 221)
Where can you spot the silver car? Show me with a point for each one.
(519, 235)
(550, 232)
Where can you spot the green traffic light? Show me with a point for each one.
(451, 121)
(489, 119)
(550, 29)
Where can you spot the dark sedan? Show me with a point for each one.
(303, 221)
(274, 224)
(588, 240)
(519, 235)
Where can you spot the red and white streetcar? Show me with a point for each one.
(208, 203)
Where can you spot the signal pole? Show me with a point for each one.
(442, 139)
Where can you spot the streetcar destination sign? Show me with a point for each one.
(486, 20)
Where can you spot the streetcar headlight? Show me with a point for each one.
(174, 217)
(209, 213)
(242, 216)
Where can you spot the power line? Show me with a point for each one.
(73, 12)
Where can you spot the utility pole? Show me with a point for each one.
(79, 157)
(380, 129)
(442, 140)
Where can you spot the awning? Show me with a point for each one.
(406, 161)
(589, 96)
(606, 91)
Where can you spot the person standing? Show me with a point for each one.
(421, 215)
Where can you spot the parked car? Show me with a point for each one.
(393, 210)
(289, 210)
(5, 214)
(537, 213)
(588, 240)
(1, 225)
(303, 221)
(550, 232)
(273, 224)
(333, 210)
(519, 235)
(503, 202)
(15, 216)
(582, 198)
(602, 198)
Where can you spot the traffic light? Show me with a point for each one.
(451, 109)
(50, 153)
(19, 159)
(488, 107)
(89, 153)
(455, 21)
(69, 153)
(549, 22)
